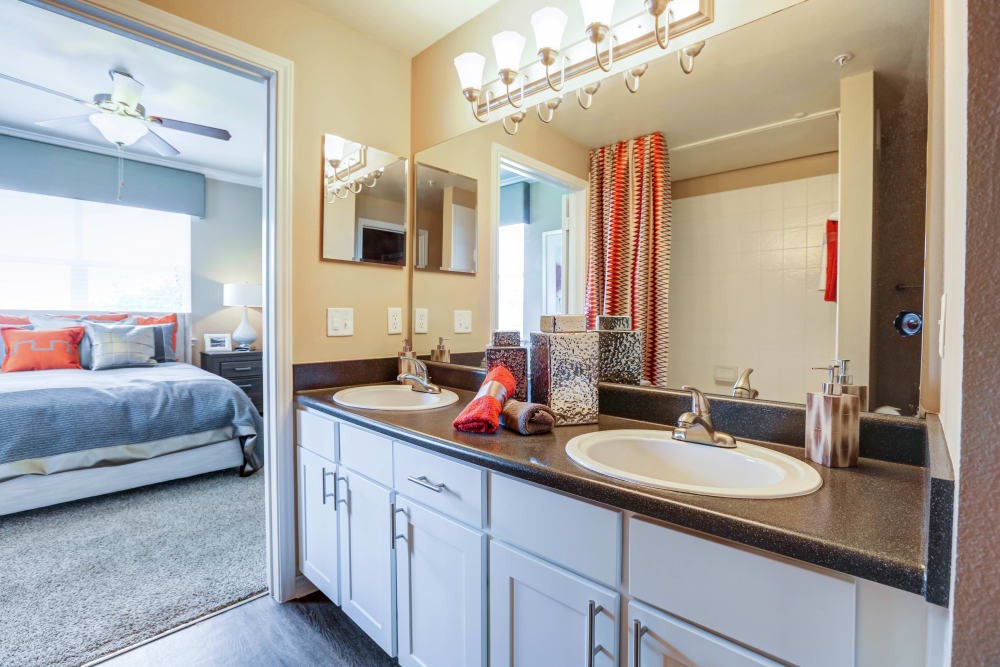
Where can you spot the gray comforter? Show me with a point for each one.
(49, 417)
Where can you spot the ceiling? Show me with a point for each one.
(409, 26)
(432, 181)
(755, 76)
(72, 57)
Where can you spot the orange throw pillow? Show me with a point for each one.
(169, 319)
(14, 319)
(41, 350)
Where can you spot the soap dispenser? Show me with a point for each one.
(832, 424)
(406, 357)
(440, 353)
(847, 383)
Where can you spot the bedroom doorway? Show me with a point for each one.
(260, 299)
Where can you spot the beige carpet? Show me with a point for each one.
(84, 579)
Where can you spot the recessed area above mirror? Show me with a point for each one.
(757, 218)
(446, 238)
(364, 204)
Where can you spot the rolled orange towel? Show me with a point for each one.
(482, 415)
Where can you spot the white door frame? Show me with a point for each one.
(578, 242)
(279, 466)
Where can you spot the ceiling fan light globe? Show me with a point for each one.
(118, 129)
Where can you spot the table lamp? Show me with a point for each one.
(247, 296)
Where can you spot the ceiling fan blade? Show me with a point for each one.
(66, 121)
(194, 128)
(126, 90)
(159, 144)
(44, 89)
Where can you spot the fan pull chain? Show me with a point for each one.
(121, 172)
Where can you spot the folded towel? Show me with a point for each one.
(482, 415)
(527, 418)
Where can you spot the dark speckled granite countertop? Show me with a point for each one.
(866, 521)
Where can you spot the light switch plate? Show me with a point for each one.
(395, 320)
(463, 321)
(420, 318)
(339, 321)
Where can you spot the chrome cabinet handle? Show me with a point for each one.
(637, 632)
(398, 510)
(245, 386)
(244, 368)
(426, 483)
(330, 495)
(593, 609)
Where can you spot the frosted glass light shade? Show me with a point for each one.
(470, 67)
(508, 47)
(548, 23)
(333, 147)
(118, 129)
(241, 294)
(597, 11)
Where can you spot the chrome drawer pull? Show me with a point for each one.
(593, 609)
(244, 368)
(245, 386)
(637, 632)
(426, 483)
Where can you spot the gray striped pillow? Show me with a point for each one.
(122, 345)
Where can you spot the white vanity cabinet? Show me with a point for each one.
(318, 503)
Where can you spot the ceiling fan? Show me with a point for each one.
(120, 118)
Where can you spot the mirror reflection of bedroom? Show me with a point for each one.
(132, 383)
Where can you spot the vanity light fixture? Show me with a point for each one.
(470, 67)
(632, 77)
(516, 118)
(589, 92)
(549, 23)
(597, 18)
(508, 47)
(551, 105)
(689, 53)
(658, 8)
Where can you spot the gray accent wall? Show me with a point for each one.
(226, 247)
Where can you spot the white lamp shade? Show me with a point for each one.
(118, 129)
(597, 11)
(333, 147)
(470, 67)
(241, 294)
(549, 23)
(508, 47)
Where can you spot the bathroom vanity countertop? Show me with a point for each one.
(866, 521)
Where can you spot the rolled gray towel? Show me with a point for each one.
(527, 418)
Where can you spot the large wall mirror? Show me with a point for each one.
(364, 203)
(769, 206)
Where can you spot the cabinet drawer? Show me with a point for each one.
(794, 613)
(575, 534)
(448, 486)
(241, 369)
(367, 453)
(317, 434)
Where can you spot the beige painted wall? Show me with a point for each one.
(470, 155)
(225, 248)
(365, 97)
(439, 111)
(808, 166)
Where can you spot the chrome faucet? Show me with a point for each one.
(696, 426)
(421, 381)
(742, 388)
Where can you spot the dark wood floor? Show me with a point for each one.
(307, 631)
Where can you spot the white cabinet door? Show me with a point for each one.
(668, 641)
(318, 504)
(367, 579)
(440, 589)
(542, 615)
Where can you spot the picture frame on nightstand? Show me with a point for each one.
(219, 342)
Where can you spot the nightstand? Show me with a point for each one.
(244, 369)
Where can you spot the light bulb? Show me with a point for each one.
(548, 24)
(470, 67)
(597, 11)
(119, 129)
(508, 47)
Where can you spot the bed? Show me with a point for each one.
(69, 434)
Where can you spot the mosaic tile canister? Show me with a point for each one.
(563, 323)
(508, 352)
(564, 369)
(620, 350)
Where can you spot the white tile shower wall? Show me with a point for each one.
(744, 287)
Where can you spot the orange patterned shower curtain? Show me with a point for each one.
(628, 236)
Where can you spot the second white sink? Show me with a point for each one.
(392, 397)
(653, 458)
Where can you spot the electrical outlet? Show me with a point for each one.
(395, 321)
(339, 321)
(463, 321)
(420, 320)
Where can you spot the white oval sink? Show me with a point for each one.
(653, 458)
(392, 397)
